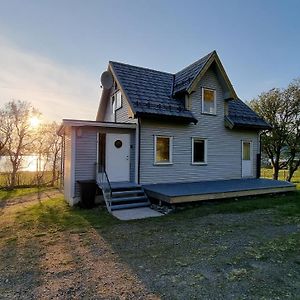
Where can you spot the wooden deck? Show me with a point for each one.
(210, 190)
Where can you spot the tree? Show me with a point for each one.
(5, 132)
(280, 108)
(48, 148)
(55, 143)
(292, 96)
(19, 135)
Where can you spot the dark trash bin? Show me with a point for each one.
(87, 193)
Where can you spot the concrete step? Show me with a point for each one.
(127, 192)
(129, 205)
(130, 199)
(126, 187)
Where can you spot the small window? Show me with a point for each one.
(246, 151)
(163, 149)
(199, 151)
(118, 100)
(208, 101)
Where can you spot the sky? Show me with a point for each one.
(52, 53)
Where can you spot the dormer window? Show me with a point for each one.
(208, 101)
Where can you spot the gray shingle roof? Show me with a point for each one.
(185, 77)
(241, 115)
(151, 93)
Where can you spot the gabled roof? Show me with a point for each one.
(184, 78)
(157, 94)
(241, 115)
(149, 92)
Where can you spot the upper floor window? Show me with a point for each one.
(163, 149)
(208, 101)
(117, 100)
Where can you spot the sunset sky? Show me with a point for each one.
(52, 53)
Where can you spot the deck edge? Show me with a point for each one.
(220, 195)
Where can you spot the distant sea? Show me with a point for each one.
(29, 163)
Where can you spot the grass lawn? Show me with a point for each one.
(246, 249)
(6, 194)
(267, 173)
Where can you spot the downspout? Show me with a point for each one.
(139, 152)
(258, 158)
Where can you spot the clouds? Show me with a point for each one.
(57, 91)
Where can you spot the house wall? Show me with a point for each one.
(224, 160)
(86, 153)
(122, 114)
(109, 117)
(68, 167)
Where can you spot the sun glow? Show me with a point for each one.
(34, 122)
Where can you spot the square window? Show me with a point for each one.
(208, 101)
(163, 150)
(199, 152)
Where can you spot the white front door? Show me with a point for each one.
(117, 156)
(247, 159)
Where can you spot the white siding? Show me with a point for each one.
(224, 145)
(109, 117)
(122, 115)
(86, 153)
(68, 167)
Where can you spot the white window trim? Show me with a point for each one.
(121, 99)
(215, 102)
(205, 151)
(251, 149)
(170, 150)
(114, 103)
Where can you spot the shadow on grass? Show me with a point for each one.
(160, 251)
(19, 267)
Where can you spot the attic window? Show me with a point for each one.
(208, 101)
(117, 100)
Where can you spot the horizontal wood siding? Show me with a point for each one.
(122, 115)
(224, 159)
(67, 164)
(86, 156)
(86, 153)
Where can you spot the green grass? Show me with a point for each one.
(172, 249)
(7, 194)
(55, 214)
(267, 173)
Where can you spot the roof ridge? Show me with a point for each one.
(197, 61)
(144, 68)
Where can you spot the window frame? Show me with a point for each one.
(215, 102)
(170, 162)
(250, 150)
(116, 97)
(205, 151)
